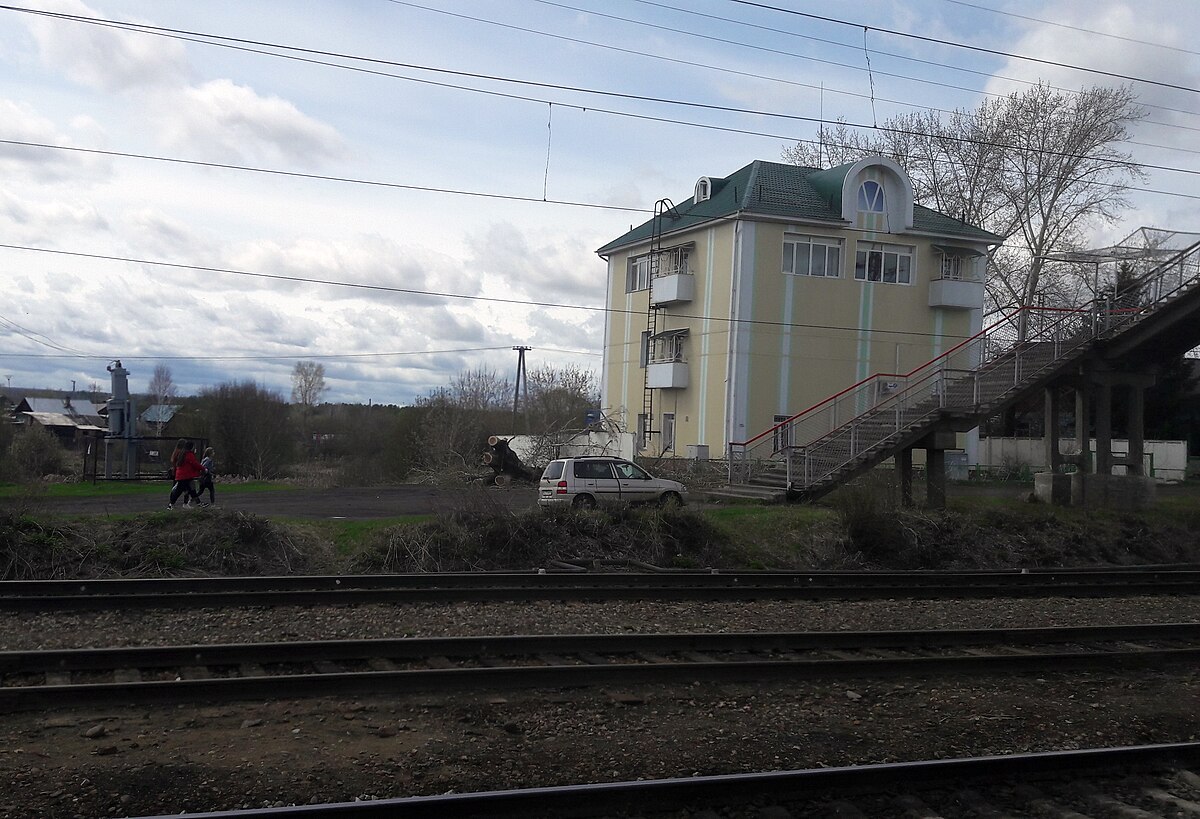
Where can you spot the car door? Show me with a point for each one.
(636, 485)
(596, 478)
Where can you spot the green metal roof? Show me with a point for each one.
(788, 192)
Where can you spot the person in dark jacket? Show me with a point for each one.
(187, 470)
(210, 473)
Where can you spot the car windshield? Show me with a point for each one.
(553, 471)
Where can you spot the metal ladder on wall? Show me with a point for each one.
(847, 433)
(663, 208)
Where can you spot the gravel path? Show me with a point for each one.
(165, 759)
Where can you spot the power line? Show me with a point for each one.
(174, 33)
(981, 49)
(835, 43)
(769, 78)
(981, 7)
(461, 296)
(513, 197)
(319, 177)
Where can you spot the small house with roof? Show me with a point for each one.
(773, 288)
(70, 418)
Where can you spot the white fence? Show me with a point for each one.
(1165, 460)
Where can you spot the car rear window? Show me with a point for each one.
(553, 471)
(593, 469)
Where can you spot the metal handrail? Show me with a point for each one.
(980, 371)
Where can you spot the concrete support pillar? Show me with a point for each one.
(1083, 431)
(1052, 454)
(904, 471)
(1135, 464)
(1104, 462)
(935, 477)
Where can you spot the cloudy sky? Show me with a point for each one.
(405, 190)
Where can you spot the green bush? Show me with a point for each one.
(32, 454)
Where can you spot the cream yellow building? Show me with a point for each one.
(774, 288)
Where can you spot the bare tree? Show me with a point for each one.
(248, 425)
(1037, 167)
(308, 383)
(162, 392)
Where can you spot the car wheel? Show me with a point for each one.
(584, 502)
(670, 500)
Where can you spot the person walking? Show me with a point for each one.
(173, 465)
(187, 470)
(206, 479)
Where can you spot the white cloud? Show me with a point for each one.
(224, 121)
(19, 122)
(100, 56)
(543, 267)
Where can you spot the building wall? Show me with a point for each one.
(699, 410)
(816, 336)
(763, 342)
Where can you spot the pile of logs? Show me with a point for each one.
(505, 463)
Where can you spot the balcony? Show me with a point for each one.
(672, 288)
(958, 294)
(667, 375)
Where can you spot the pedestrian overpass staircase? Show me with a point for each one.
(1154, 318)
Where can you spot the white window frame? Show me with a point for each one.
(668, 432)
(885, 263)
(816, 256)
(873, 200)
(637, 273)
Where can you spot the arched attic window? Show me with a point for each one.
(870, 197)
(703, 190)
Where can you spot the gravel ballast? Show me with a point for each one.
(164, 760)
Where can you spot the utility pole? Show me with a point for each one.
(522, 378)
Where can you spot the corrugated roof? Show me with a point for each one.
(159, 413)
(786, 191)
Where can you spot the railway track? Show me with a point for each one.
(1142, 781)
(575, 583)
(199, 673)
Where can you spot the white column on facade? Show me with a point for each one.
(785, 345)
(605, 355)
(737, 396)
(703, 390)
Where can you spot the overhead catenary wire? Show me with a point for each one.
(457, 296)
(795, 34)
(966, 46)
(1069, 27)
(186, 35)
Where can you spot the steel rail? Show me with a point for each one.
(642, 796)
(99, 659)
(592, 670)
(425, 588)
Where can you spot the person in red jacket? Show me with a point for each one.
(187, 470)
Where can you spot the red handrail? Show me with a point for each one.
(874, 376)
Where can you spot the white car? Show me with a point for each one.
(590, 481)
